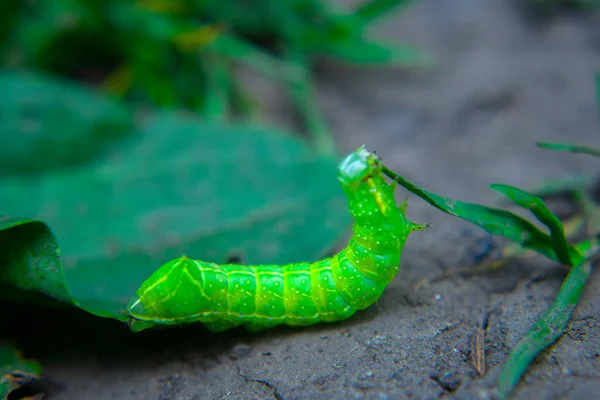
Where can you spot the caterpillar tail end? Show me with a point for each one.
(137, 326)
(137, 308)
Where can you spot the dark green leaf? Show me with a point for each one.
(14, 370)
(374, 9)
(246, 53)
(30, 257)
(563, 250)
(47, 122)
(358, 51)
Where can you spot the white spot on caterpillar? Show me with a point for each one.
(264, 288)
(237, 285)
(248, 282)
(303, 281)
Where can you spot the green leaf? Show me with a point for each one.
(344, 37)
(598, 91)
(355, 49)
(572, 148)
(563, 185)
(182, 186)
(497, 221)
(46, 122)
(547, 329)
(364, 52)
(245, 53)
(14, 370)
(29, 257)
(302, 93)
(537, 207)
(374, 9)
(216, 105)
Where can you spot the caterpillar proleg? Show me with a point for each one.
(263, 296)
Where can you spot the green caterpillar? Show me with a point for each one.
(260, 297)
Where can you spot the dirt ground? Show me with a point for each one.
(501, 83)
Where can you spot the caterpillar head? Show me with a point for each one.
(358, 166)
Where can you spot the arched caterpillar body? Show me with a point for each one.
(258, 297)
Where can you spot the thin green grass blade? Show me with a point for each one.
(572, 148)
(374, 9)
(590, 213)
(253, 57)
(588, 246)
(243, 104)
(495, 221)
(356, 50)
(563, 185)
(302, 93)
(545, 216)
(598, 90)
(548, 329)
(216, 107)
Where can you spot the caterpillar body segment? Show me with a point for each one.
(301, 294)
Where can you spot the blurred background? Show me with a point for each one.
(145, 129)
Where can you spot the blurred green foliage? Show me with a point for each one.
(183, 53)
(48, 123)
